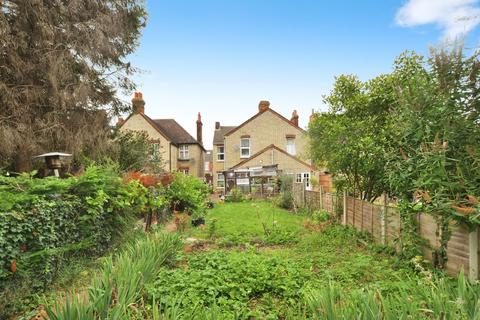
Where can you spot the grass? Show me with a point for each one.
(263, 274)
(249, 218)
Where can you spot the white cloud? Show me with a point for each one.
(455, 17)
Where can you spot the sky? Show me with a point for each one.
(221, 57)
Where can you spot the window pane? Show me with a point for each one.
(245, 152)
(245, 143)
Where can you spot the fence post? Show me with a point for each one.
(473, 254)
(304, 187)
(321, 197)
(383, 221)
(345, 207)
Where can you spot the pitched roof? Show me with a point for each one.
(272, 146)
(220, 133)
(174, 132)
(260, 113)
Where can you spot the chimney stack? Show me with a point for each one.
(199, 128)
(263, 105)
(294, 119)
(217, 125)
(138, 103)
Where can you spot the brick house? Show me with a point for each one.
(266, 139)
(177, 148)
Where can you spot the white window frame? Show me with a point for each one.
(220, 154)
(183, 151)
(304, 177)
(306, 180)
(298, 178)
(220, 180)
(291, 146)
(185, 171)
(245, 148)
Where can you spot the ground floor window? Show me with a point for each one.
(304, 178)
(185, 171)
(220, 180)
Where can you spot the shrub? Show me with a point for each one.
(44, 223)
(285, 198)
(235, 195)
(186, 193)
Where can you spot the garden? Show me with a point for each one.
(254, 260)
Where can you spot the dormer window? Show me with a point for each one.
(245, 147)
(183, 151)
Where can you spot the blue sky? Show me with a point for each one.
(220, 57)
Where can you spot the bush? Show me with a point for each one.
(235, 195)
(285, 198)
(44, 223)
(186, 193)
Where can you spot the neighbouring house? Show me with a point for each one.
(176, 147)
(262, 146)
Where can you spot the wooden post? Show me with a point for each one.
(354, 209)
(383, 221)
(473, 254)
(345, 207)
(371, 217)
(304, 187)
(321, 197)
(361, 204)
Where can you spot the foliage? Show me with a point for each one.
(62, 65)
(231, 280)
(133, 151)
(44, 223)
(285, 198)
(121, 281)
(351, 137)
(235, 195)
(435, 156)
(432, 299)
(186, 193)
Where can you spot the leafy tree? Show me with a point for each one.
(133, 151)
(350, 138)
(61, 65)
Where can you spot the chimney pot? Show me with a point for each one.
(120, 121)
(199, 128)
(217, 125)
(138, 103)
(294, 119)
(263, 105)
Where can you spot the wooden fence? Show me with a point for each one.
(383, 223)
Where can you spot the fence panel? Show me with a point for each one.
(371, 218)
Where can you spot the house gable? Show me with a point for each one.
(264, 129)
(259, 114)
(271, 155)
(140, 122)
